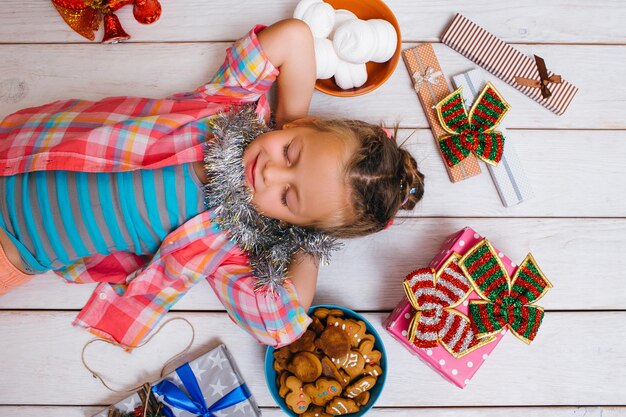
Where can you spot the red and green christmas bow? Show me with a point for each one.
(473, 132)
(506, 302)
(433, 295)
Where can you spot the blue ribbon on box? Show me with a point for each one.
(194, 402)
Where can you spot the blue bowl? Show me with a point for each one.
(270, 373)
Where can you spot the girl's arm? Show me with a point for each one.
(303, 272)
(289, 46)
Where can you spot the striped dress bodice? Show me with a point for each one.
(57, 217)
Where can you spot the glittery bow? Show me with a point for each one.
(429, 76)
(433, 295)
(505, 302)
(84, 16)
(473, 132)
(543, 80)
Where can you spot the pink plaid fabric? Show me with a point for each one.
(126, 133)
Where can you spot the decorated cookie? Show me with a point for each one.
(359, 387)
(353, 363)
(371, 356)
(297, 400)
(306, 343)
(341, 406)
(345, 378)
(323, 390)
(363, 398)
(334, 342)
(355, 329)
(373, 370)
(306, 366)
(316, 411)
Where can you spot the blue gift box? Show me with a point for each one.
(209, 386)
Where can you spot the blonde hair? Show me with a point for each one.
(382, 178)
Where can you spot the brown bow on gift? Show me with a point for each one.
(149, 407)
(544, 80)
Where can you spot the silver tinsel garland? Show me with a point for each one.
(268, 245)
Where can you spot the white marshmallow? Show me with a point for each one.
(386, 40)
(321, 18)
(325, 58)
(350, 75)
(341, 16)
(355, 41)
(302, 7)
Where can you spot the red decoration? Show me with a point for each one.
(84, 16)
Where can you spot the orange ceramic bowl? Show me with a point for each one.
(377, 73)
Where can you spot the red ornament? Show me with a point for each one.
(84, 16)
(147, 11)
(113, 31)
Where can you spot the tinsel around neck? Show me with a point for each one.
(268, 245)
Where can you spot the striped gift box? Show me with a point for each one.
(504, 61)
(508, 176)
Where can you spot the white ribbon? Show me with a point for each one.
(429, 76)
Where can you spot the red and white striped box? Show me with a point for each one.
(459, 370)
(504, 61)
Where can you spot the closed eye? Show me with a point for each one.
(283, 198)
(286, 152)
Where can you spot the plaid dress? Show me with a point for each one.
(128, 133)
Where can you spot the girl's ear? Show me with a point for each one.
(299, 122)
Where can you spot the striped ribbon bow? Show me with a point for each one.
(433, 295)
(473, 132)
(505, 302)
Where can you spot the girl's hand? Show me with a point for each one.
(289, 46)
(303, 271)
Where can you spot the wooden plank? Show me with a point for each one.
(533, 21)
(571, 354)
(35, 74)
(60, 411)
(578, 255)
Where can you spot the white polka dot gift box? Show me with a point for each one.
(210, 385)
(458, 308)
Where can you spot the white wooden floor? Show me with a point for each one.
(575, 226)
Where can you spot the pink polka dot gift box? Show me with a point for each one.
(458, 308)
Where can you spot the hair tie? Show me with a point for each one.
(410, 191)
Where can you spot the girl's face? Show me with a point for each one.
(297, 174)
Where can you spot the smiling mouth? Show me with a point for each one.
(250, 172)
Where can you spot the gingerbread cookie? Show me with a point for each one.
(359, 387)
(363, 398)
(282, 386)
(316, 325)
(330, 370)
(340, 406)
(371, 356)
(355, 329)
(353, 363)
(306, 343)
(345, 378)
(322, 313)
(334, 342)
(297, 400)
(306, 366)
(316, 411)
(373, 370)
(323, 390)
(282, 357)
